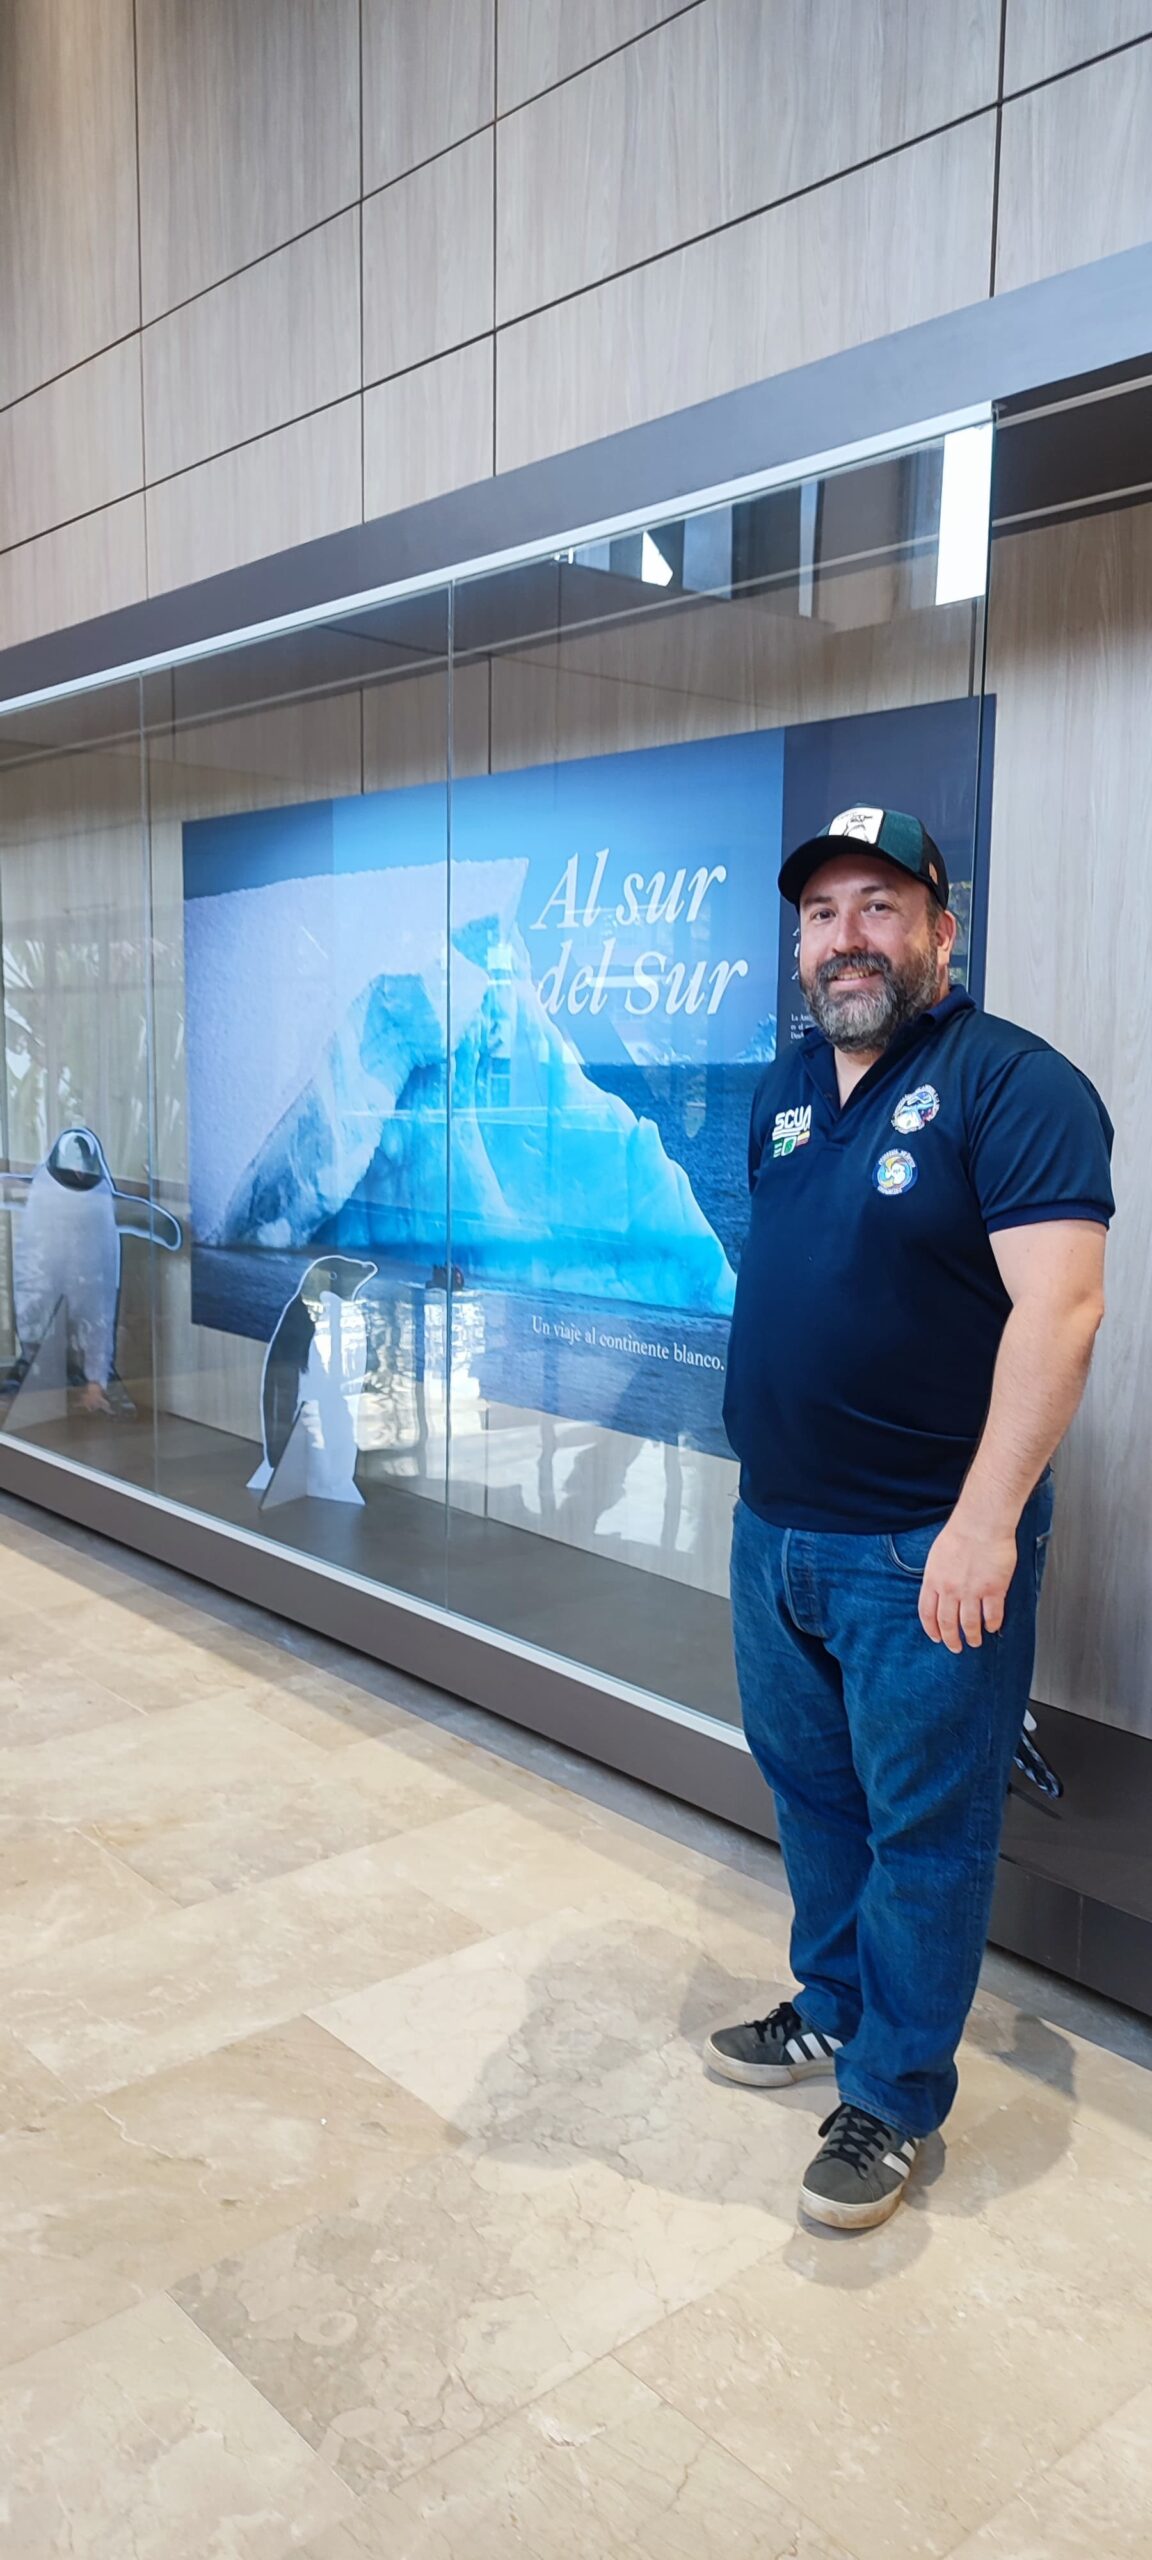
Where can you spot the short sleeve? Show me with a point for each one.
(1040, 1145)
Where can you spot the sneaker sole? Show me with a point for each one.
(850, 2217)
(766, 2075)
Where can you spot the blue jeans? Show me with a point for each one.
(889, 1760)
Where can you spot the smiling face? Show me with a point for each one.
(874, 951)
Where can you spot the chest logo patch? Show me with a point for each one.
(914, 1110)
(895, 1173)
(792, 1129)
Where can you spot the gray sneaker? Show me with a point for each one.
(859, 2173)
(768, 2052)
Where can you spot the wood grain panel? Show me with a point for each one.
(249, 132)
(72, 447)
(75, 956)
(714, 670)
(1070, 954)
(81, 569)
(1043, 37)
(543, 41)
(428, 260)
(285, 488)
(406, 728)
(209, 1377)
(878, 250)
(1076, 170)
(268, 346)
(429, 80)
(69, 270)
(429, 430)
(277, 756)
(725, 110)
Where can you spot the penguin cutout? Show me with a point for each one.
(310, 1397)
(1033, 1777)
(66, 1256)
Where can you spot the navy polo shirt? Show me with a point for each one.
(869, 1307)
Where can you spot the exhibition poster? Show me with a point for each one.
(517, 1081)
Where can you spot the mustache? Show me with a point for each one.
(830, 970)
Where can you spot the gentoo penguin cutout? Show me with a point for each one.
(313, 1376)
(66, 1256)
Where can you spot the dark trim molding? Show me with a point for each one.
(1072, 324)
(1093, 1943)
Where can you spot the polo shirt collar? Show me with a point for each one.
(819, 1055)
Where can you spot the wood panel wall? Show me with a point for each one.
(268, 267)
(1070, 953)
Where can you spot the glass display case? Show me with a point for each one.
(383, 1005)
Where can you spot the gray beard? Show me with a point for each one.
(870, 1017)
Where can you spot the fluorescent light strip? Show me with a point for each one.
(517, 555)
(965, 500)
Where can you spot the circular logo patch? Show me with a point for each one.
(914, 1110)
(895, 1173)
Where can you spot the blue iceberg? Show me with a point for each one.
(397, 1082)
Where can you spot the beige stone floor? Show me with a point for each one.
(362, 2195)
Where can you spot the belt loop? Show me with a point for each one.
(785, 1550)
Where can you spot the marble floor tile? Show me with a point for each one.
(563, 2033)
(273, 1801)
(158, 2179)
(1110, 2090)
(46, 1705)
(141, 2440)
(334, 1714)
(144, 1768)
(60, 1890)
(900, 2385)
(29, 2093)
(393, 2334)
(601, 2469)
(506, 1862)
(1073, 2203)
(310, 1806)
(147, 1998)
(1094, 2504)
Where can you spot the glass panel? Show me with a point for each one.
(409, 979)
(298, 826)
(79, 1238)
(641, 726)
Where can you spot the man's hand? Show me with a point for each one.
(966, 1583)
(1053, 1273)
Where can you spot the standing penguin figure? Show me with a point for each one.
(66, 1254)
(313, 1376)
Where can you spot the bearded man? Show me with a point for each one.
(915, 1313)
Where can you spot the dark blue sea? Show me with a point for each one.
(702, 1116)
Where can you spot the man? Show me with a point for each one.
(915, 1313)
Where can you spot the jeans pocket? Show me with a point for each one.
(909, 1549)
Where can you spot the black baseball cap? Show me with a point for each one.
(902, 840)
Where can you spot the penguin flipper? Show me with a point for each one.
(148, 1221)
(14, 1190)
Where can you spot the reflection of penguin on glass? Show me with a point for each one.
(66, 1254)
(313, 1375)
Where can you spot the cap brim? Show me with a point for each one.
(796, 872)
(810, 857)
